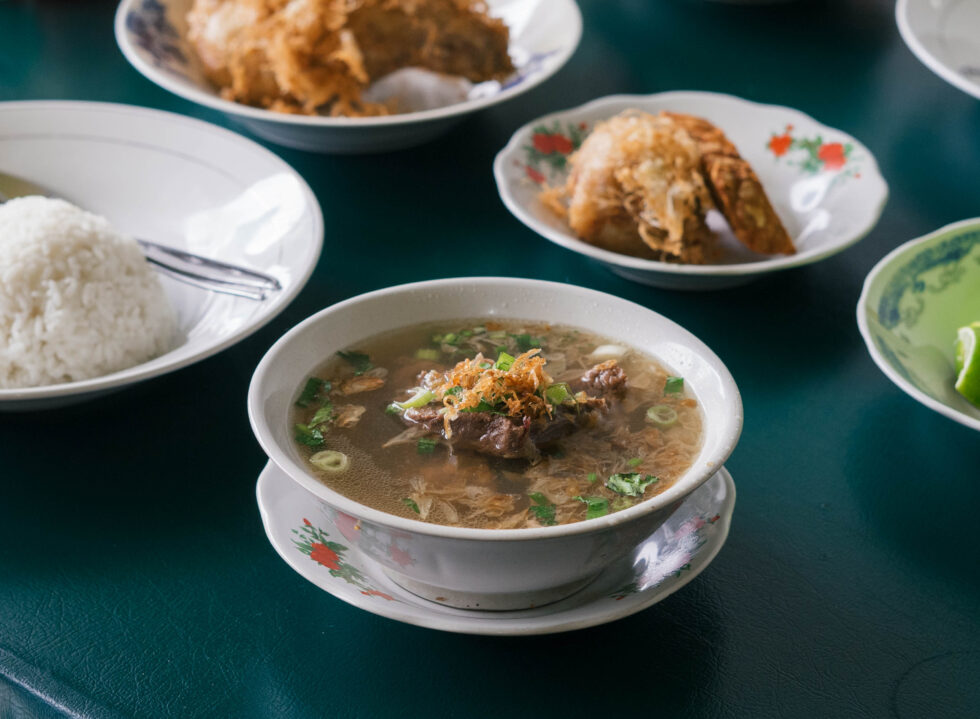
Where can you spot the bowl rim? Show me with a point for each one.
(570, 242)
(687, 483)
(193, 93)
(280, 301)
(925, 55)
(865, 330)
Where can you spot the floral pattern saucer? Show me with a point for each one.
(319, 545)
(824, 184)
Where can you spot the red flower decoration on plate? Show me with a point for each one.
(833, 155)
(780, 144)
(543, 142)
(324, 555)
(534, 175)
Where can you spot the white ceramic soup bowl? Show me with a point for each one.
(488, 568)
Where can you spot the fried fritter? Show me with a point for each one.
(653, 178)
(316, 56)
(736, 189)
(639, 175)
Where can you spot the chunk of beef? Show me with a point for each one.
(604, 380)
(512, 437)
(482, 432)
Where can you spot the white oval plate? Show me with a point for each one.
(824, 184)
(320, 546)
(912, 303)
(543, 35)
(180, 182)
(945, 36)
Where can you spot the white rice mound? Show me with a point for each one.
(77, 298)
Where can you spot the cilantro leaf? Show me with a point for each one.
(542, 509)
(314, 388)
(324, 415)
(592, 477)
(630, 484)
(310, 436)
(594, 506)
(410, 503)
(358, 360)
(526, 342)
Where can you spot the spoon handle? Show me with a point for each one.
(209, 273)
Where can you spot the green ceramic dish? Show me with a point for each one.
(913, 301)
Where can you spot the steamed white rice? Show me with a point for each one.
(77, 299)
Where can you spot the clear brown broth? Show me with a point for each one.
(465, 488)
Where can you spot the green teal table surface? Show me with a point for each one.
(135, 577)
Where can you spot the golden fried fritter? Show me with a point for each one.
(638, 175)
(316, 56)
(653, 178)
(736, 189)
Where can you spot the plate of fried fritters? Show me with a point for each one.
(691, 190)
(348, 76)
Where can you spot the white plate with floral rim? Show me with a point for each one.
(320, 544)
(945, 36)
(180, 182)
(912, 303)
(824, 184)
(543, 36)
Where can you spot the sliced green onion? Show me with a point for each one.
(630, 484)
(393, 409)
(674, 385)
(594, 506)
(466, 333)
(410, 503)
(450, 338)
(635, 462)
(310, 436)
(557, 393)
(504, 361)
(426, 353)
(421, 398)
(426, 445)
(479, 330)
(662, 415)
(592, 477)
(330, 460)
(620, 503)
(497, 334)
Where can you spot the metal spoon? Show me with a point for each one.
(192, 269)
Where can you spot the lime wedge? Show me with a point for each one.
(968, 362)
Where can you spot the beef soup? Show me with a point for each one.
(496, 424)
